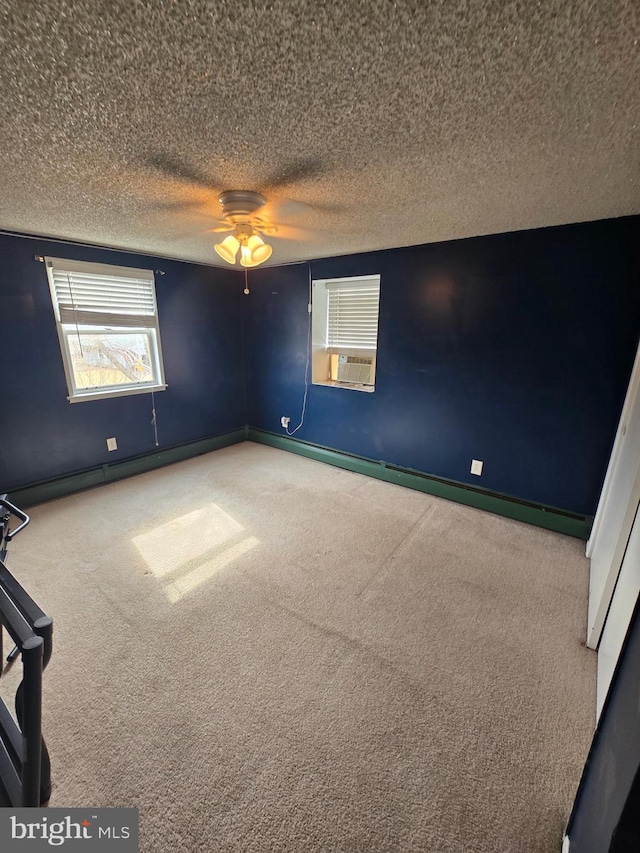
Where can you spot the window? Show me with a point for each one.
(107, 323)
(345, 331)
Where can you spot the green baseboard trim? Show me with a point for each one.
(540, 515)
(44, 491)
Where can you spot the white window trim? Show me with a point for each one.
(321, 350)
(148, 325)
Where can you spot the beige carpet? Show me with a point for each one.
(265, 653)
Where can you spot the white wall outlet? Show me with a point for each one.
(284, 421)
(476, 466)
(112, 444)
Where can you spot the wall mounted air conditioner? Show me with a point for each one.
(355, 370)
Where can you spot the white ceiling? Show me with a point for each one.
(367, 124)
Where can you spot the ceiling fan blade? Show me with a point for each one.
(290, 232)
(179, 170)
(290, 208)
(326, 208)
(293, 173)
(219, 229)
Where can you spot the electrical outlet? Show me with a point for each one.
(112, 444)
(284, 422)
(476, 466)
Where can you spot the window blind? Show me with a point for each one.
(352, 315)
(102, 295)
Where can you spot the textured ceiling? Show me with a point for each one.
(367, 124)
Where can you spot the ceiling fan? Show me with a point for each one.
(239, 215)
(241, 208)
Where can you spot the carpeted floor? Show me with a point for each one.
(265, 653)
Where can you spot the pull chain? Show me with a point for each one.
(154, 422)
(246, 280)
(75, 316)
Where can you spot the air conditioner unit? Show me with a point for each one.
(355, 370)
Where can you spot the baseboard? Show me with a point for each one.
(540, 515)
(537, 514)
(47, 490)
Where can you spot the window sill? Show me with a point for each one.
(106, 394)
(350, 386)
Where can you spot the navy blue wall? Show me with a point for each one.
(515, 349)
(44, 436)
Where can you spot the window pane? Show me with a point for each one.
(103, 359)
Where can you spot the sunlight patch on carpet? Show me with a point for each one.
(185, 539)
(178, 588)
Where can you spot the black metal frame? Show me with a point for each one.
(24, 765)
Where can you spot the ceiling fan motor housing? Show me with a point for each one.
(239, 205)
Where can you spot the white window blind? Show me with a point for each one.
(107, 322)
(102, 295)
(352, 315)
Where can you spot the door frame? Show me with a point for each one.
(630, 412)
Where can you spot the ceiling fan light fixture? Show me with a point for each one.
(228, 249)
(245, 257)
(260, 251)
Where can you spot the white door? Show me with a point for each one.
(616, 511)
(620, 613)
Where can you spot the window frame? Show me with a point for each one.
(325, 354)
(148, 326)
